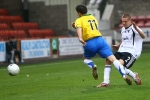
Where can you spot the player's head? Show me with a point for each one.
(81, 9)
(126, 20)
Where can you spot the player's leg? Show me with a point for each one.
(12, 56)
(134, 75)
(91, 64)
(120, 68)
(106, 52)
(119, 56)
(118, 65)
(18, 53)
(89, 52)
(129, 60)
(107, 71)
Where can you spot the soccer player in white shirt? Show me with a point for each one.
(129, 49)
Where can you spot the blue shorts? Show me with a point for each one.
(97, 45)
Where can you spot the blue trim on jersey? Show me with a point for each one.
(97, 45)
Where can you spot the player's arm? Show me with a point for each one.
(116, 47)
(79, 32)
(141, 33)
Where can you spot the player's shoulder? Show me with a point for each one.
(77, 21)
(122, 29)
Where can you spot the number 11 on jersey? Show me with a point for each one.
(91, 24)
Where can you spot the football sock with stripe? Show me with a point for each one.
(107, 71)
(120, 68)
(89, 63)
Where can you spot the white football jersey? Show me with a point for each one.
(131, 41)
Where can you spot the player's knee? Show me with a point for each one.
(108, 62)
(111, 58)
(89, 63)
(121, 61)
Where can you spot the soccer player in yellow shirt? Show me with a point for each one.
(91, 38)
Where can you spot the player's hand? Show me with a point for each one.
(115, 47)
(84, 43)
(73, 24)
(134, 25)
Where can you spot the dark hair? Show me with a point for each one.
(81, 9)
(126, 16)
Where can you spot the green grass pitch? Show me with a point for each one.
(72, 80)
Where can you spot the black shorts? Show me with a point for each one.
(128, 58)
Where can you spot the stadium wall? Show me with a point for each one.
(54, 14)
(49, 17)
(15, 7)
(48, 48)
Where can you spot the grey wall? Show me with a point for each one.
(51, 16)
(14, 7)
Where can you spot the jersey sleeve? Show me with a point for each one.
(78, 23)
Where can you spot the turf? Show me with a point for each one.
(72, 80)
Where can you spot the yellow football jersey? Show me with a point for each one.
(89, 26)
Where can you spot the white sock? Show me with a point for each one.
(107, 71)
(120, 68)
(89, 63)
(130, 73)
